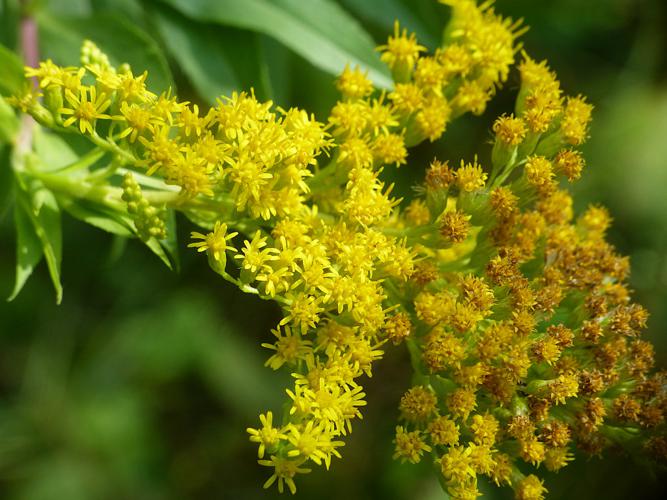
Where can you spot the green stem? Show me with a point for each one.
(111, 196)
(84, 162)
(112, 147)
(415, 355)
(321, 179)
(246, 288)
(103, 195)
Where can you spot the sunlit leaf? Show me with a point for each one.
(206, 64)
(122, 41)
(40, 205)
(28, 248)
(98, 217)
(318, 30)
(9, 123)
(11, 72)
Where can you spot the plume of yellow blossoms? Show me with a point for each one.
(524, 342)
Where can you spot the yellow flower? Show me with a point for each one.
(430, 75)
(312, 441)
(160, 150)
(472, 96)
(433, 118)
(470, 177)
(407, 98)
(456, 464)
(418, 404)
(304, 312)
(530, 488)
(443, 431)
(454, 226)
(355, 152)
(510, 130)
(478, 281)
(532, 450)
(191, 122)
(569, 162)
(50, 74)
(284, 471)
(275, 280)
(390, 148)
(337, 404)
(87, 107)
(563, 387)
(137, 119)
(215, 243)
(557, 458)
(132, 88)
(166, 107)
(191, 172)
(27, 97)
(540, 174)
(484, 428)
(256, 255)
(401, 52)
(461, 402)
(575, 120)
(455, 59)
(409, 446)
(290, 347)
(268, 436)
(354, 84)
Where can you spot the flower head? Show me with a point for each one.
(216, 243)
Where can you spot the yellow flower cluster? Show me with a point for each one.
(537, 352)
(523, 338)
(240, 149)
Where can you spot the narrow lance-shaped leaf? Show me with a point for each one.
(9, 123)
(170, 243)
(122, 41)
(28, 249)
(206, 63)
(385, 12)
(158, 249)
(99, 217)
(318, 30)
(40, 205)
(11, 72)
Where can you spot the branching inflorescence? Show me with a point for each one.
(524, 343)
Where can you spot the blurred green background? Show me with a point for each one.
(141, 384)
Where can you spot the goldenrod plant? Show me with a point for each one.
(525, 344)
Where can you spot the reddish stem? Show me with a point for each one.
(29, 43)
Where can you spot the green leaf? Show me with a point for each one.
(158, 249)
(9, 23)
(40, 205)
(9, 123)
(98, 217)
(131, 9)
(385, 12)
(148, 181)
(170, 243)
(69, 7)
(28, 248)
(6, 181)
(11, 72)
(122, 41)
(275, 67)
(52, 150)
(206, 63)
(318, 30)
